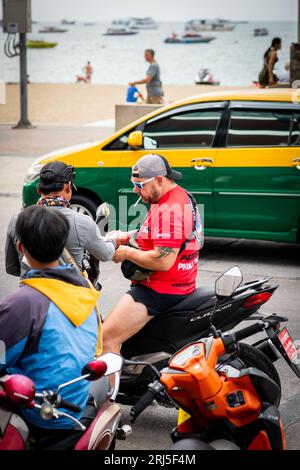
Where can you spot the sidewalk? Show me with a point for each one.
(46, 138)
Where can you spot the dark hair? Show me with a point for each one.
(45, 188)
(151, 51)
(273, 43)
(54, 175)
(43, 231)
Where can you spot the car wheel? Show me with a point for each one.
(84, 205)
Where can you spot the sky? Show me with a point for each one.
(163, 10)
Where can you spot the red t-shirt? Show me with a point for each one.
(168, 224)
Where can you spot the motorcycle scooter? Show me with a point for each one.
(187, 322)
(222, 406)
(99, 423)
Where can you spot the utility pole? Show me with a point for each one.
(299, 21)
(17, 20)
(24, 122)
(295, 56)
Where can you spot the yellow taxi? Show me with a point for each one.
(239, 151)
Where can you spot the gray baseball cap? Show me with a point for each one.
(154, 165)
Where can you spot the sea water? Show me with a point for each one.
(234, 57)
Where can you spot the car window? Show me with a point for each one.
(120, 143)
(263, 128)
(190, 129)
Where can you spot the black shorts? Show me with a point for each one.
(155, 302)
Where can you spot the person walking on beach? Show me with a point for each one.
(88, 70)
(266, 76)
(152, 80)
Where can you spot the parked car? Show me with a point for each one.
(239, 152)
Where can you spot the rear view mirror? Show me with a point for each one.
(113, 361)
(102, 215)
(228, 282)
(102, 211)
(135, 139)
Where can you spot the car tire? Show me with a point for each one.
(84, 205)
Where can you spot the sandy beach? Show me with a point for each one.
(78, 104)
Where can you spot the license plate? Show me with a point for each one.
(288, 344)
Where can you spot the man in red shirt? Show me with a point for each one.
(169, 245)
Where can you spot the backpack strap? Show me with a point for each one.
(196, 217)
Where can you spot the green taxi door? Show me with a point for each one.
(186, 137)
(257, 177)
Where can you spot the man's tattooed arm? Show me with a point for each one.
(164, 251)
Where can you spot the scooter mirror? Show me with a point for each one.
(102, 215)
(19, 389)
(113, 361)
(102, 212)
(228, 282)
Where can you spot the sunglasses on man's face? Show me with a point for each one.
(141, 184)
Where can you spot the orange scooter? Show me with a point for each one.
(223, 403)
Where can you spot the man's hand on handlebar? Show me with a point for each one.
(121, 238)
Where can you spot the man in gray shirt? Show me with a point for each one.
(152, 80)
(55, 188)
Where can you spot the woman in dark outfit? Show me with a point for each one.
(266, 76)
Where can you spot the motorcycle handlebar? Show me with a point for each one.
(142, 404)
(69, 406)
(248, 331)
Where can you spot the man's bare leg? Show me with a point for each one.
(125, 319)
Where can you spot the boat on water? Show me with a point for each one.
(143, 23)
(121, 23)
(188, 38)
(261, 32)
(114, 31)
(52, 29)
(39, 44)
(209, 25)
(67, 22)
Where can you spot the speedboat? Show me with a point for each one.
(188, 38)
(113, 31)
(261, 32)
(67, 22)
(143, 23)
(209, 25)
(52, 29)
(39, 44)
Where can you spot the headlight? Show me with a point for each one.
(33, 172)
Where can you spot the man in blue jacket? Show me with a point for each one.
(50, 326)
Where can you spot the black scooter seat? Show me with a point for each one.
(193, 301)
